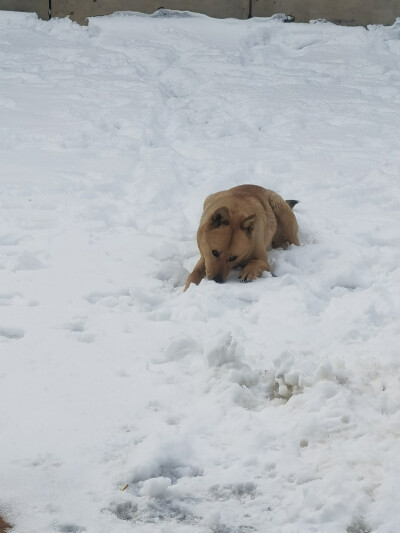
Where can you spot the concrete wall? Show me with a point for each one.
(80, 9)
(344, 11)
(360, 12)
(41, 7)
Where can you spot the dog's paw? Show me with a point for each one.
(195, 278)
(250, 272)
(197, 275)
(188, 283)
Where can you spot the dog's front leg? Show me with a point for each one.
(197, 275)
(254, 269)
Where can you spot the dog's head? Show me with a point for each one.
(225, 240)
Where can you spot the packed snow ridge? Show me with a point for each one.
(269, 407)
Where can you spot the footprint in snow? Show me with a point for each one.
(180, 347)
(125, 511)
(77, 325)
(110, 298)
(11, 333)
(70, 528)
(78, 328)
(8, 298)
(238, 491)
(10, 239)
(29, 261)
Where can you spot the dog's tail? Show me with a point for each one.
(292, 203)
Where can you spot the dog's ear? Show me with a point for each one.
(248, 223)
(220, 218)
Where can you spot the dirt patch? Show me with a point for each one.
(4, 526)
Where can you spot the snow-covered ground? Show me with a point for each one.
(270, 407)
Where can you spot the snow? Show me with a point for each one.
(272, 406)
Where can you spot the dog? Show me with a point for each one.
(236, 228)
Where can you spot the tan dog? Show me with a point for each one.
(237, 227)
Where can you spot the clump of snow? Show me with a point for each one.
(155, 487)
(272, 406)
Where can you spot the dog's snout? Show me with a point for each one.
(218, 279)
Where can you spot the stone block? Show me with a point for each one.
(79, 10)
(347, 12)
(41, 7)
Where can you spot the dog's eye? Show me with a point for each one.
(233, 258)
(215, 253)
